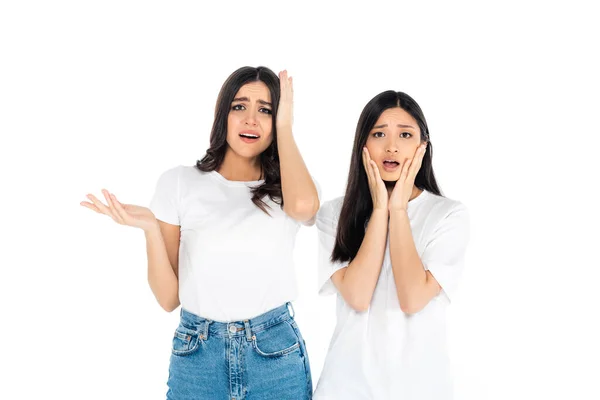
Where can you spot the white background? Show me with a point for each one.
(110, 94)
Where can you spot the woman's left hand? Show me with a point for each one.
(404, 186)
(285, 117)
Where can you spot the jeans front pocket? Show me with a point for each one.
(185, 341)
(276, 341)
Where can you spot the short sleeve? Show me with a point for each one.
(165, 201)
(444, 254)
(318, 187)
(327, 229)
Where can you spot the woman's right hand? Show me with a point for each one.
(379, 193)
(124, 214)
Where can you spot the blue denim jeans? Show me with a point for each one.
(258, 359)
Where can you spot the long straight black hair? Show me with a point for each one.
(269, 159)
(358, 205)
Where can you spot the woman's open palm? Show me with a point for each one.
(124, 214)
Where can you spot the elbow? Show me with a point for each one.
(410, 306)
(358, 303)
(169, 306)
(304, 210)
(359, 307)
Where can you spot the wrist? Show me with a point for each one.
(379, 212)
(283, 127)
(398, 211)
(152, 228)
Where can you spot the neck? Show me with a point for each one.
(238, 168)
(390, 187)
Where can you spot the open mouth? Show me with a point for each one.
(249, 137)
(390, 165)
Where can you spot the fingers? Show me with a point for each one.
(120, 211)
(285, 81)
(376, 174)
(367, 164)
(405, 168)
(91, 206)
(372, 170)
(417, 160)
(99, 205)
(111, 207)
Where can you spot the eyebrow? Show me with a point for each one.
(248, 100)
(399, 126)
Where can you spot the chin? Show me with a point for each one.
(247, 152)
(387, 177)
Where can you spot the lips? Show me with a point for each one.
(249, 136)
(390, 165)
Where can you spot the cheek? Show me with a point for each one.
(268, 140)
(267, 125)
(373, 147)
(232, 123)
(409, 152)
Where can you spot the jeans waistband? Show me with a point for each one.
(207, 327)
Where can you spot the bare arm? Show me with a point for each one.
(415, 286)
(162, 248)
(300, 198)
(162, 244)
(356, 283)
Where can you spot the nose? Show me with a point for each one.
(251, 119)
(391, 148)
(391, 145)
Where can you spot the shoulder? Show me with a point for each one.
(185, 173)
(330, 210)
(181, 177)
(172, 171)
(443, 208)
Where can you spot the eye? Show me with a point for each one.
(405, 135)
(378, 134)
(238, 107)
(265, 110)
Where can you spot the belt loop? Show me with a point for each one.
(248, 331)
(291, 309)
(204, 334)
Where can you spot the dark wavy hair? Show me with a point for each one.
(269, 159)
(358, 205)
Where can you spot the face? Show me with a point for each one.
(249, 122)
(393, 140)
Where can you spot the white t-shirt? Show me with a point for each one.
(235, 261)
(384, 353)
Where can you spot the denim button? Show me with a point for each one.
(232, 329)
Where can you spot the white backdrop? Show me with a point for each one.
(110, 94)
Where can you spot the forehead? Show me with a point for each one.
(395, 116)
(255, 91)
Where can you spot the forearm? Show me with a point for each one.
(162, 275)
(361, 275)
(299, 192)
(409, 274)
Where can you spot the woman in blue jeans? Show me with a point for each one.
(220, 238)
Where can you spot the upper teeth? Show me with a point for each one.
(249, 135)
